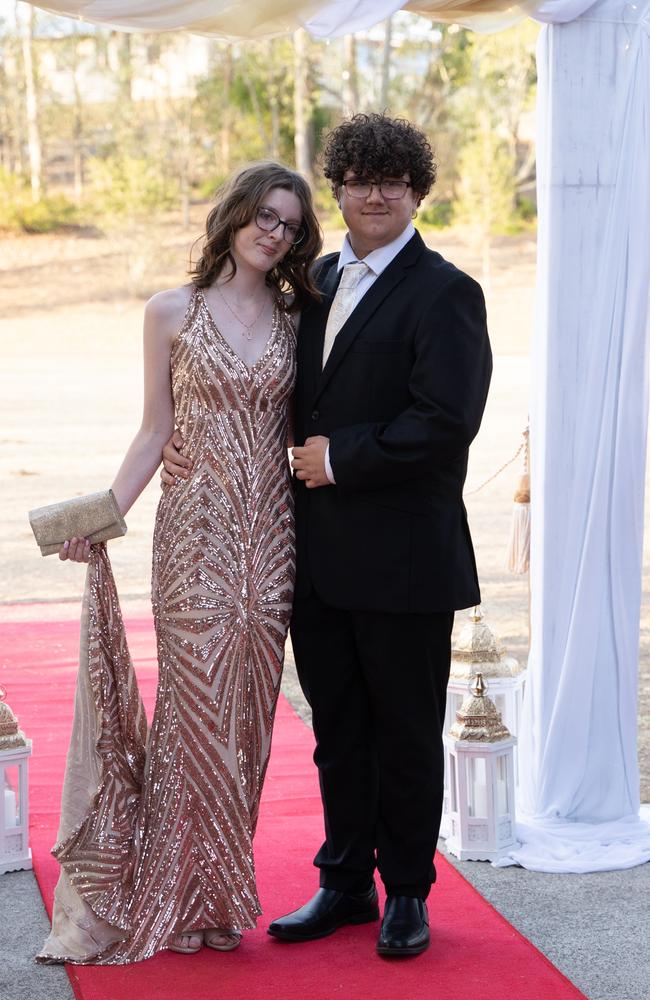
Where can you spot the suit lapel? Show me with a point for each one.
(383, 286)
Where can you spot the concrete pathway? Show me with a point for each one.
(23, 928)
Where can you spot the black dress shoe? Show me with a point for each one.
(326, 912)
(405, 927)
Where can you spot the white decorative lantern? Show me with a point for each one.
(479, 762)
(479, 648)
(15, 751)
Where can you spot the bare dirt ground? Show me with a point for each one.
(70, 398)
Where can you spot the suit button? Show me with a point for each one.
(315, 415)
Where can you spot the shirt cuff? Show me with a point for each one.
(328, 467)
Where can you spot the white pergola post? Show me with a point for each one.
(579, 781)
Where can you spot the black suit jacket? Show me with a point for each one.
(400, 398)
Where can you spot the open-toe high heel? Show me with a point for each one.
(221, 940)
(186, 949)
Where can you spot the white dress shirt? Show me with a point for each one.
(377, 261)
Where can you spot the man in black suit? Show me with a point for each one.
(393, 370)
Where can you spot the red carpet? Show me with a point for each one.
(474, 951)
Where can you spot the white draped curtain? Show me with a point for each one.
(579, 773)
(257, 18)
(578, 756)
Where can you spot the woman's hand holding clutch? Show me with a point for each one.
(75, 549)
(72, 526)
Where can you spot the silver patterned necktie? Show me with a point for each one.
(343, 304)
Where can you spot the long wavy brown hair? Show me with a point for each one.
(237, 203)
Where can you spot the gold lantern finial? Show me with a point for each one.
(478, 686)
(478, 647)
(11, 737)
(478, 719)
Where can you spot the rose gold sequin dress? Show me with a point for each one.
(156, 833)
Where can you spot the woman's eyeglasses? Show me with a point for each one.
(268, 220)
(360, 187)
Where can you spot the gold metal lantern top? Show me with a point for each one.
(478, 719)
(479, 648)
(11, 737)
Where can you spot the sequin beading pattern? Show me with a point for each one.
(222, 585)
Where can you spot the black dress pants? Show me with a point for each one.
(376, 683)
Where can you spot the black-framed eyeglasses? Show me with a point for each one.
(361, 187)
(268, 220)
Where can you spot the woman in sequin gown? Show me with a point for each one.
(155, 840)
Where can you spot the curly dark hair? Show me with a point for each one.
(378, 146)
(237, 203)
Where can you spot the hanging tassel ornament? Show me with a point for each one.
(518, 556)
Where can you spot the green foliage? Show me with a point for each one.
(207, 188)
(47, 215)
(327, 210)
(250, 96)
(430, 101)
(18, 213)
(438, 215)
(489, 109)
(12, 191)
(115, 123)
(323, 119)
(526, 209)
(486, 189)
(129, 186)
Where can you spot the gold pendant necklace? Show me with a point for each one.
(248, 327)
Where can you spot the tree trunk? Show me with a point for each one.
(8, 131)
(350, 78)
(274, 83)
(227, 112)
(185, 159)
(11, 108)
(487, 209)
(31, 107)
(255, 104)
(5, 145)
(126, 68)
(386, 64)
(78, 166)
(301, 105)
(77, 150)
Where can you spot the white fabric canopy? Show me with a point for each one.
(343, 17)
(577, 751)
(561, 11)
(259, 18)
